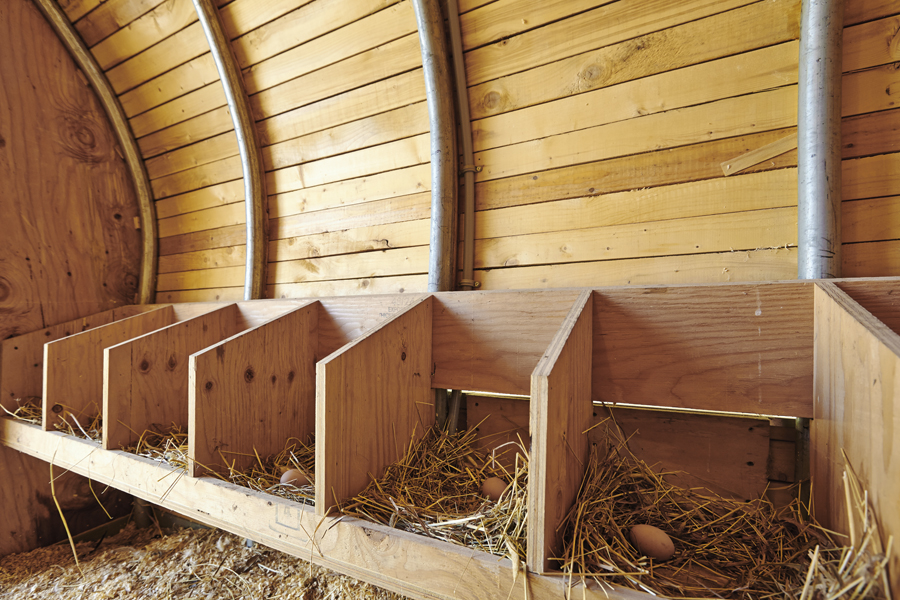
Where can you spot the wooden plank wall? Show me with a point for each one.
(601, 130)
(337, 90)
(871, 128)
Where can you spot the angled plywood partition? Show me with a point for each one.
(251, 392)
(22, 357)
(492, 341)
(371, 397)
(146, 377)
(857, 412)
(73, 367)
(561, 411)
(736, 348)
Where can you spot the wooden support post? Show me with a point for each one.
(856, 389)
(561, 411)
(251, 392)
(146, 378)
(22, 357)
(371, 397)
(73, 367)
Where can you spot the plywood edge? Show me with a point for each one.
(252, 391)
(371, 396)
(884, 334)
(398, 561)
(561, 411)
(73, 366)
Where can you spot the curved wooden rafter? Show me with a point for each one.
(248, 145)
(110, 102)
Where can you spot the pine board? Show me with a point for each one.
(871, 44)
(725, 118)
(871, 259)
(730, 33)
(870, 220)
(348, 241)
(723, 267)
(233, 235)
(871, 177)
(111, 16)
(877, 133)
(200, 279)
(201, 153)
(208, 197)
(216, 258)
(152, 108)
(377, 263)
(871, 90)
(734, 76)
(218, 171)
(604, 26)
(186, 132)
(406, 284)
(697, 235)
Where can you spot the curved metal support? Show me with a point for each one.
(248, 144)
(442, 121)
(135, 163)
(462, 99)
(819, 139)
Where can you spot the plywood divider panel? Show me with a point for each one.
(73, 367)
(857, 384)
(492, 341)
(561, 411)
(146, 378)
(729, 347)
(372, 396)
(345, 318)
(22, 356)
(881, 297)
(726, 455)
(250, 393)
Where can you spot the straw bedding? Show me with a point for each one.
(30, 410)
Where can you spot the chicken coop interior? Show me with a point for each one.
(523, 237)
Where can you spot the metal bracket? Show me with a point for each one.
(470, 169)
(469, 283)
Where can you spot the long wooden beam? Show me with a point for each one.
(110, 102)
(402, 562)
(255, 198)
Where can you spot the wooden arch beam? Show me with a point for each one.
(255, 198)
(135, 163)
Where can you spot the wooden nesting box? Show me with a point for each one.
(360, 373)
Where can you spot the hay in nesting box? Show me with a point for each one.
(136, 564)
(30, 410)
(169, 446)
(435, 490)
(265, 476)
(724, 548)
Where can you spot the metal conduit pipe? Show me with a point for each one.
(132, 156)
(255, 198)
(442, 123)
(462, 99)
(819, 139)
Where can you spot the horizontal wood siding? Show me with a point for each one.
(871, 145)
(600, 128)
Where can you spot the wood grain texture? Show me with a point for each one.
(22, 357)
(870, 90)
(111, 16)
(870, 44)
(725, 267)
(881, 297)
(377, 263)
(73, 366)
(69, 248)
(395, 560)
(735, 348)
(603, 26)
(248, 394)
(561, 411)
(372, 397)
(404, 284)
(856, 386)
(492, 341)
(729, 33)
(726, 455)
(871, 177)
(145, 379)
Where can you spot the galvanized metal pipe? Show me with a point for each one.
(819, 139)
(442, 122)
(133, 160)
(255, 198)
(465, 121)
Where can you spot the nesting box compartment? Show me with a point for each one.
(361, 373)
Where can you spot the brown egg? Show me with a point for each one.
(493, 488)
(294, 477)
(652, 541)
